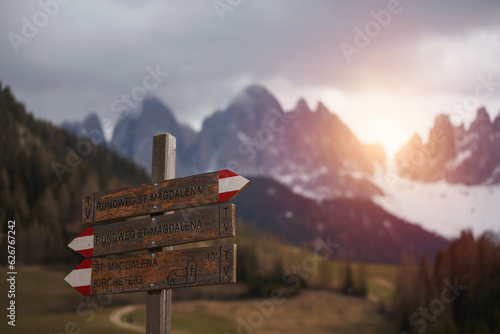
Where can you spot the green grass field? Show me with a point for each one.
(45, 303)
(311, 311)
(381, 278)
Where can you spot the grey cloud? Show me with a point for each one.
(92, 52)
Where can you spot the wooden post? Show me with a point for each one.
(159, 302)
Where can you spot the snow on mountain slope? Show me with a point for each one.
(440, 207)
(311, 151)
(454, 153)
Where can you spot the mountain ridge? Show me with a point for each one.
(454, 154)
(312, 152)
(255, 136)
(133, 135)
(49, 210)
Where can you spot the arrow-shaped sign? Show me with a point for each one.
(154, 271)
(178, 227)
(190, 191)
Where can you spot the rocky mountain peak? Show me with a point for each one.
(152, 107)
(253, 97)
(416, 140)
(482, 115)
(89, 127)
(133, 135)
(250, 110)
(321, 109)
(496, 124)
(443, 121)
(92, 121)
(309, 151)
(256, 91)
(482, 122)
(454, 153)
(301, 107)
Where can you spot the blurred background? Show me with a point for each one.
(370, 132)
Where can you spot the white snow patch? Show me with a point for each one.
(357, 175)
(241, 136)
(440, 207)
(461, 157)
(301, 176)
(494, 174)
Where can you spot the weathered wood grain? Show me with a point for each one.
(159, 302)
(155, 197)
(161, 270)
(174, 228)
(146, 272)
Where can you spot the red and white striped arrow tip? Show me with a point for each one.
(80, 277)
(230, 184)
(84, 243)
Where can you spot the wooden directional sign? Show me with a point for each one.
(181, 226)
(162, 270)
(190, 191)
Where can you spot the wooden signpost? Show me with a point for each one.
(191, 217)
(153, 271)
(144, 199)
(178, 227)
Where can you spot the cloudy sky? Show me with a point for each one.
(385, 67)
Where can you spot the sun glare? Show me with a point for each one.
(384, 117)
(389, 134)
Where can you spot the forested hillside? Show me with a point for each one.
(44, 171)
(366, 231)
(458, 294)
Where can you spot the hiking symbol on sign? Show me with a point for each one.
(186, 275)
